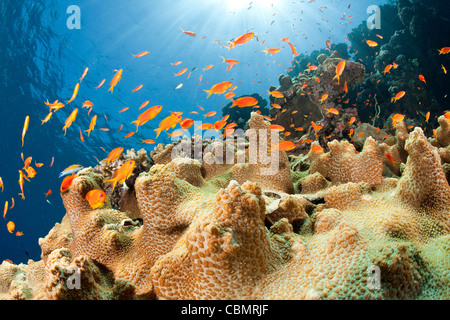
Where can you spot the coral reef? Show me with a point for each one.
(206, 230)
(303, 93)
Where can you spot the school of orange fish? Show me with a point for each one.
(96, 198)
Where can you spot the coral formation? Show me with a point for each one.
(212, 231)
(303, 93)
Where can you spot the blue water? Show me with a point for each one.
(41, 58)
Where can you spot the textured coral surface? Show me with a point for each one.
(336, 228)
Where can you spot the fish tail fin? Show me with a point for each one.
(209, 92)
(158, 132)
(114, 182)
(234, 103)
(137, 122)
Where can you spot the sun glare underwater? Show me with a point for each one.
(353, 96)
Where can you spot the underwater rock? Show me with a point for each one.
(302, 105)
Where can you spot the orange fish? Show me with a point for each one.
(176, 133)
(167, 123)
(5, 209)
(317, 149)
(70, 119)
(443, 69)
(277, 127)
(66, 183)
(391, 159)
(371, 43)
(397, 118)
(185, 124)
(219, 124)
(1, 184)
(276, 94)
(444, 50)
(25, 128)
(284, 146)
(100, 84)
(398, 96)
(87, 104)
(19, 233)
(241, 40)
(96, 198)
(84, 74)
(427, 117)
(115, 80)
(324, 97)
(55, 105)
(332, 110)
(339, 70)
(129, 134)
(244, 102)
(125, 171)
(205, 126)
(124, 109)
(230, 61)
(141, 54)
(148, 141)
(189, 33)
(92, 125)
(219, 88)
(447, 115)
(48, 193)
(316, 127)
(75, 92)
(388, 68)
(181, 72)
(230, 95)
(138, 88)
(10, 226)
(294, 49)
(422, 78)
(114, 154)
(272, 51)
(210, 114)
(147, 115)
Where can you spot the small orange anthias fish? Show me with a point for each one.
(186, 123)
(285, 146)
(241, 40)
(70, 119)
(75, 92)
(371, 43)
(125, 171)
(115, 80)
(219, 88)
(141, 54)
(244, 102)
(114, 154)
(96, 198)
(398, 96)
(66, 183)
(92, 125)
(189, 33)
(339, 70)
(147, 115)
(397, 118)
(317, 149)
(390, 158)
(169, 122)
(25, 128)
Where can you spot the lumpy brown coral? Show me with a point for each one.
(190, 229)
